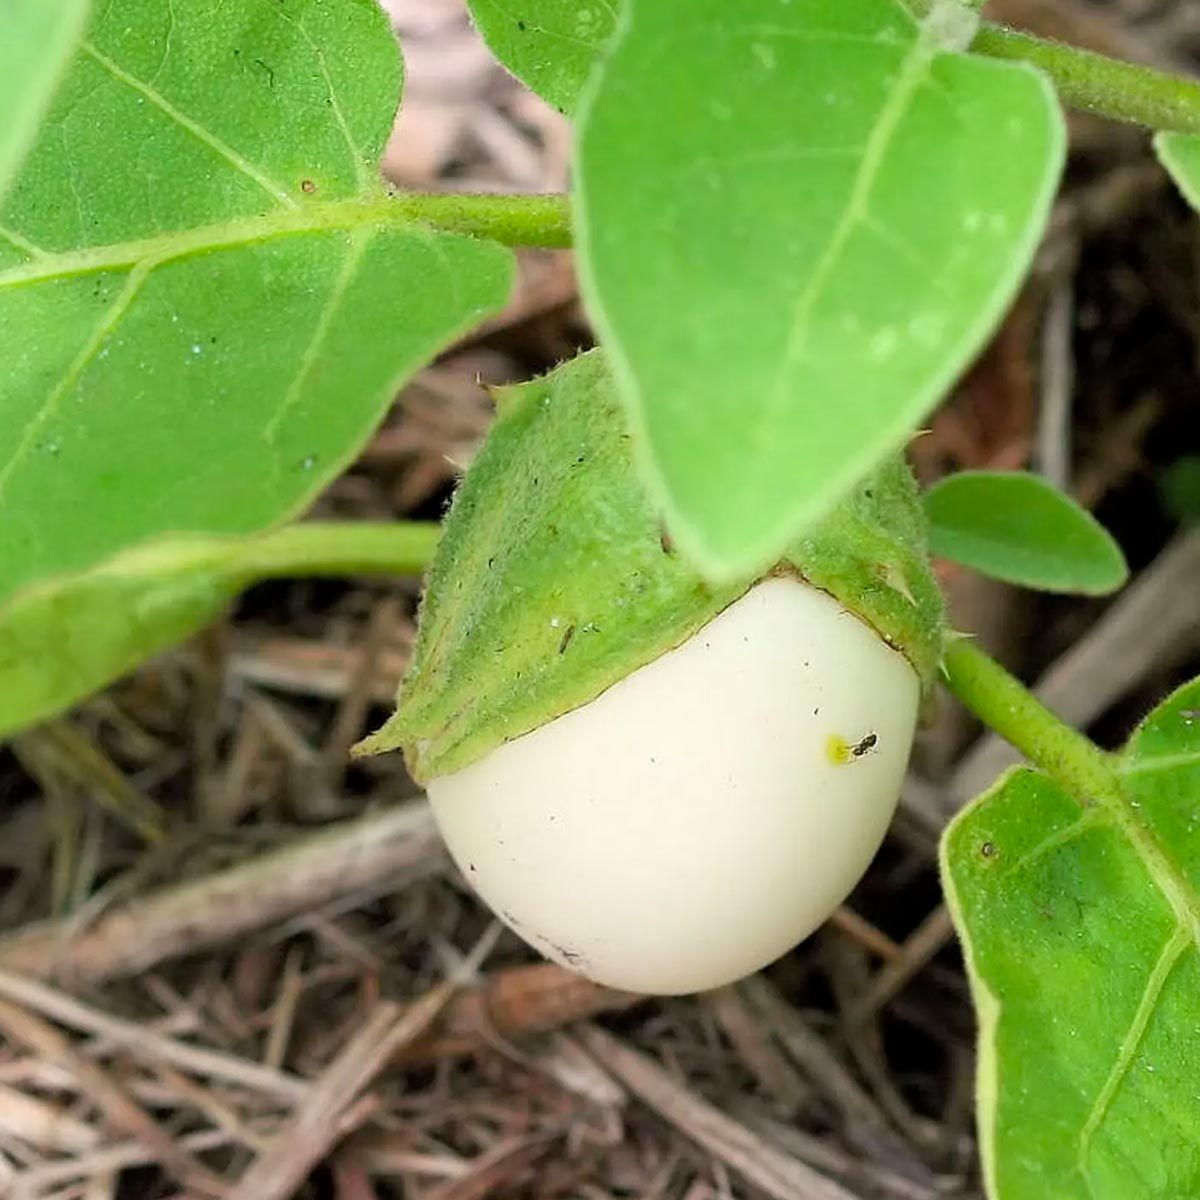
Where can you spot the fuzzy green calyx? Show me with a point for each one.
(555, 578)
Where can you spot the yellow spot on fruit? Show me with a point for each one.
(838, 750)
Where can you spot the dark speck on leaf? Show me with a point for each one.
(471, 866)
(308, 186)
(988, 850)
(568, 634)
(521, 26)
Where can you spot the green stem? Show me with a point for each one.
(543, 220)
(1007, 706)
(1108, 87)
(341, 548)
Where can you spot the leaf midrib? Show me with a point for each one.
(346, 215)
(914, 70)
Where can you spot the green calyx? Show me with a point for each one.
(555, 578)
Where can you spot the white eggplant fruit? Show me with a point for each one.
(661, 782)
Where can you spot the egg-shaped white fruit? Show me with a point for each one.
(704, 814)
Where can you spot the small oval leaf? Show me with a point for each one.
(1017, 527)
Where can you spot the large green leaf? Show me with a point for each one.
(36, 39)
(206, 297)
(797, 223)
(550, 45)
(1019, 528)
(1080, 919)
(68, 637)
(1180, 154)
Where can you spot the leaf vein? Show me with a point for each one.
(1091, 818)
(107, 323)
(337, 293)
(1176, 944)
(913, 72)
(365, 176)
(21, 243)
(1163, 762)
(228, 153)
(169, 247)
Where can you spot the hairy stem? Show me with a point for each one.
(1007, 706)
(341, 548)
(541, 220)
(1108, 87)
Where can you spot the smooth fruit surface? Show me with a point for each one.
(705, 813)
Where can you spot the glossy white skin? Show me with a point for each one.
(690, 824)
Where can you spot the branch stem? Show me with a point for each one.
(1004, 704)
(521, 220)
(318, 548)
(1107, 87)
(1094, 83)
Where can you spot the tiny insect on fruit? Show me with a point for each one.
(659, 782)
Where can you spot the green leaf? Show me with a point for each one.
(71, 636)
(797, 223)
(207, 299)
(550, 45)
(36, 38)
(1019, 528)
(1081, 926)
(1180, 154)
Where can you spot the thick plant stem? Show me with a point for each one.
(541, 220)
(1007, 706)
(337, 548)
